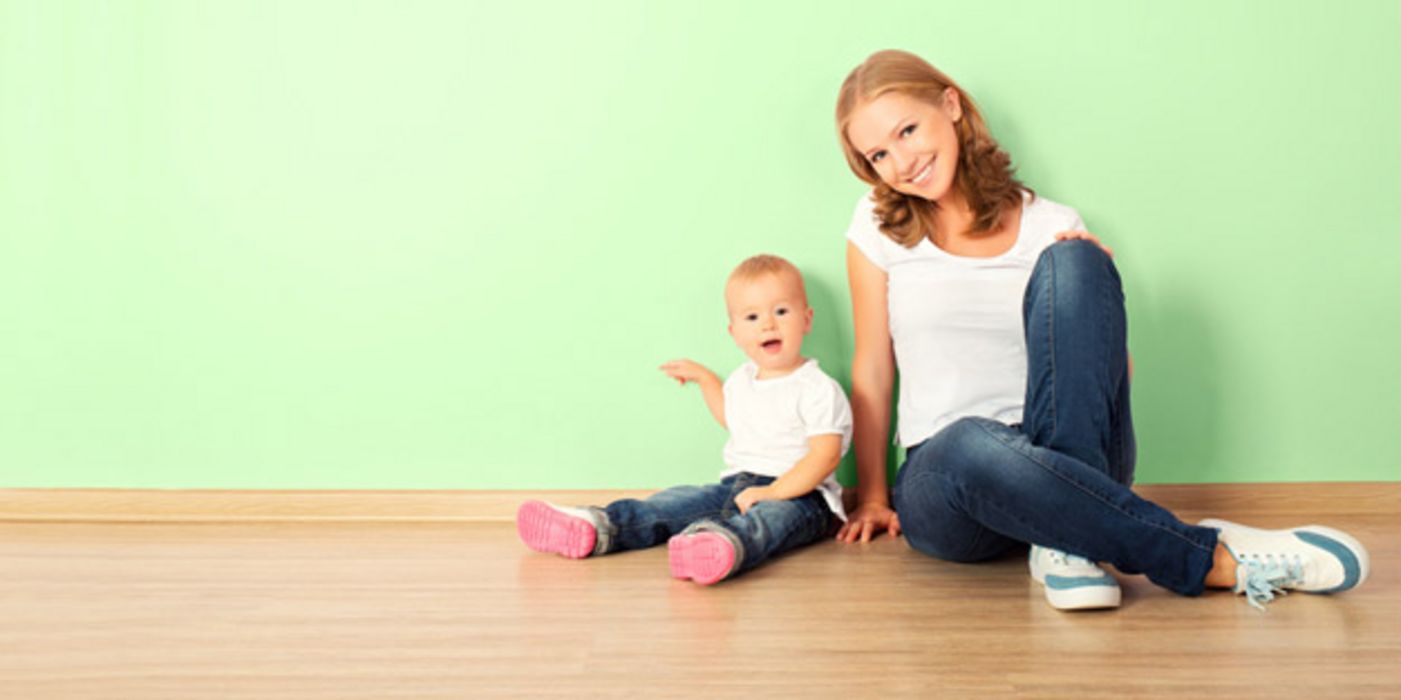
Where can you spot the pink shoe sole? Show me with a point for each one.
(545, 529)
(705, 557)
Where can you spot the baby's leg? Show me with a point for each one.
(638, 524)
(712, 550)
(626, 524)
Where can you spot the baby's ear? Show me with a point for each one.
(807, 325)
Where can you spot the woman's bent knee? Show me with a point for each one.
(1076, 261)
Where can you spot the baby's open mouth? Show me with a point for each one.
(772, 346)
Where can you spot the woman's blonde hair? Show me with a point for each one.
(984, 172)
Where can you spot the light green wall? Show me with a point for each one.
(303, 244)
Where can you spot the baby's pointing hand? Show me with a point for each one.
(684, 371)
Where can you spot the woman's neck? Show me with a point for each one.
(955, 216)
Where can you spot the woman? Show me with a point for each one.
(1006, 323)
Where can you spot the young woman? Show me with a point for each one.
(1005, 322)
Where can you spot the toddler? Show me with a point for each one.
(789, 426)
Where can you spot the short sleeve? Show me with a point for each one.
(825, 410)
(864, 233)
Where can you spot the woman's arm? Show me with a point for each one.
(872, 378)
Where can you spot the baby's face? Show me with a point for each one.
(768, 318)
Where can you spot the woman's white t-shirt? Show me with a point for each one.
(956, 322)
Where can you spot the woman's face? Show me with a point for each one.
(910, 143)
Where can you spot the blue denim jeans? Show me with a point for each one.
(1061, 478)
(769, 528)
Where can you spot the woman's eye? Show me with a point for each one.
(907, 130)
(875, 157)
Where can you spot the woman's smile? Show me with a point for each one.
(924, 175)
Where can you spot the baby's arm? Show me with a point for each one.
(824, 453)
(712, 389)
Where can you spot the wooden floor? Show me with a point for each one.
(462, 610)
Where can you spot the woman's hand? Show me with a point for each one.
(1087, 236)
(868, 520)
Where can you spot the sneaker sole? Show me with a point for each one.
(1090, 597)
(1358, 551)
(545, 529)
(705, 558)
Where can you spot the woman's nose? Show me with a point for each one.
(903, 163)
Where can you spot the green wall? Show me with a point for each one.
(446, 244)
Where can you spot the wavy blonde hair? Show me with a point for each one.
(984, 174)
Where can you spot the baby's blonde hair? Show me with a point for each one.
(764, 264)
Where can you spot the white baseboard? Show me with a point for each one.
(159, 505)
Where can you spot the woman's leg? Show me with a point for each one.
(1077, 389)
(933, 523)
(989, 483)
(1062, 480)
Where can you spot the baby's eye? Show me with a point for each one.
(907, 130)
(781, 311)
(751, 317)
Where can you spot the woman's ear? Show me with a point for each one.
(953, 106)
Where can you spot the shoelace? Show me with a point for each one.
(1062, 558)
(1260, 578)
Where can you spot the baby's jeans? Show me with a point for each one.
(769, 528)
(1061, 478)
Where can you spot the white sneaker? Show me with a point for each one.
(1312, 558)
(1072, 583)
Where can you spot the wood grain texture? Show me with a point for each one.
(452, 609)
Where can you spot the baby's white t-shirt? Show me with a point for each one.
(956, 322)
(770, 421)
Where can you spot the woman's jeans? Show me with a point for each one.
(1061, 478)
(769, 528)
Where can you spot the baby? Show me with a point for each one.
(789, 426)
